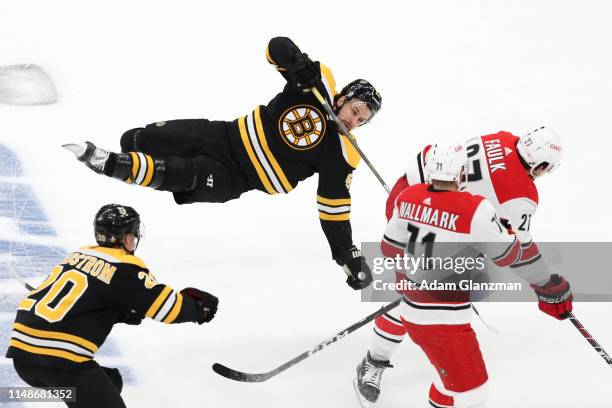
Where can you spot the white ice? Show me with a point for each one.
(446, 69)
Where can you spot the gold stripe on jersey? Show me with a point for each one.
(349, 152)
(247, 146)
(45, 334)
(334, 209)
(333, 201)
(154, 308)
(167, 307)
(176, 309)
(336, 217)
(135, 166)
(328, 81)
(143, 169)
(119, 255)
(48, 351)
(351, 155)
(271, 60)
(264, 144)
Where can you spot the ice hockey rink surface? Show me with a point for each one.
(446, 70)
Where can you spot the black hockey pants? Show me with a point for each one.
(96, 387)
(193, 149)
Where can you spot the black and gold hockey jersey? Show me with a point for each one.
(64, 321)
(291, 138)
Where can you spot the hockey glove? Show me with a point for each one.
(303, 74)
(555, 297)
(131, 317)
(360, 275)
(206, 304)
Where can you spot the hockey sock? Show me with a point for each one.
(438, 399)
(136, 168)
(388, 334)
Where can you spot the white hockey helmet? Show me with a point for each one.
(447, 161)
(541, 149)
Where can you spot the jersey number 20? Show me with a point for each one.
(52, 307)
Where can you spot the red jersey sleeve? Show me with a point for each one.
(400, 185)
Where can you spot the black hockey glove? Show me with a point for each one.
(303, 73)
(207, 304)
(355, 265)
(131, 317)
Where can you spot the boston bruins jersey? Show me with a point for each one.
(291, 138)
(64, 321)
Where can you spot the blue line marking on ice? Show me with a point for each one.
(17, 202)
(9, 165)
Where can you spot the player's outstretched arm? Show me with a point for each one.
(139, 293)
(553, 291)
(334, 204)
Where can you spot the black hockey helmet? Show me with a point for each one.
(364, 91)
(113, 221)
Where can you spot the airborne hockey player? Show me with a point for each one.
(503, 169)
(61, 324)
(271, 149)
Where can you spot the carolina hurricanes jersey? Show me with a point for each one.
(423, 216)
(497, 173)
(67, 318)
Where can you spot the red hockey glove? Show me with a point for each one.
(555, 297)
(207, 304)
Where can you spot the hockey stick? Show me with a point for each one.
(18, 277)
(590, 338)
(348, 135)
(246, 377)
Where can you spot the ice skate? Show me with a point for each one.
(93, 157)
(368, 379)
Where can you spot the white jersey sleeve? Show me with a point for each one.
(519, 212)
(396, 232)
(495, 240)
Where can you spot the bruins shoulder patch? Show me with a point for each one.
(302, 127)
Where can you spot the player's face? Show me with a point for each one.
(353, 113)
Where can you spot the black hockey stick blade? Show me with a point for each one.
(260, 377)
(238, 375)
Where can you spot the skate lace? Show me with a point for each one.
(373, 374)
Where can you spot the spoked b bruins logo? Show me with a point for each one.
(302, 127)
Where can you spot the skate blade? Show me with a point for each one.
(77, 149)
(364, 403)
